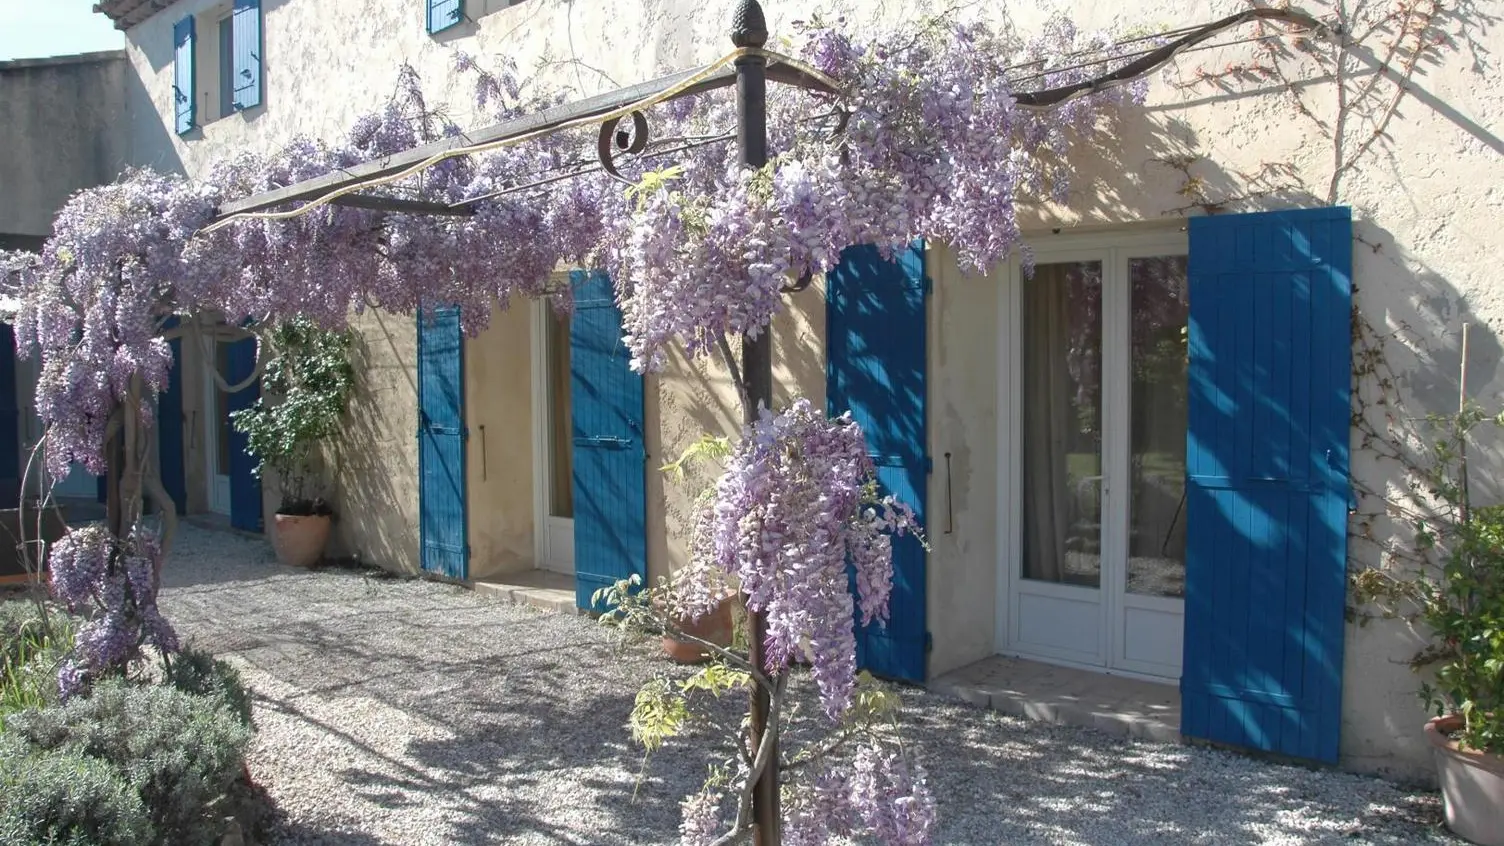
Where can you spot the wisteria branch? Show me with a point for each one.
(733, 367)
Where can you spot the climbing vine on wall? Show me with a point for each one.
(1366, 63)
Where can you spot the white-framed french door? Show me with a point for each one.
(553, 441)
(217, 431)
(1092, 427)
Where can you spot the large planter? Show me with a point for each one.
(299, 539)
(1472, 785)
(715, 627)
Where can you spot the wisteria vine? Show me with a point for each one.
(932, 144)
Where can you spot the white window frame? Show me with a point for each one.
(553, 537)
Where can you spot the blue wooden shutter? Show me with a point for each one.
(245, 489)
(443, 14)
(610, 475)
(183, 77)
(443, 533)
(170, 428)
(876, 368)
(246, 35)
(1267, 455)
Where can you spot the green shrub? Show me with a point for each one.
(65, 799)
(32, 647)
(1466, 611)
(201, 674)
(180, 753)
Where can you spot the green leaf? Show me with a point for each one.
(657, 715)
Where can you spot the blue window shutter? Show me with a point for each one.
(442, 529)
(246, 24)
(443, 14)
(610, 472)
(227, 67)
(245, 489)
(876, 368)
(170, 428)
(1267, 456)
(183, 77)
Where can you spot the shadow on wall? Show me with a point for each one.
(376, 522)
(149, 123)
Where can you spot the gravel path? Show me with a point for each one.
(409, 712)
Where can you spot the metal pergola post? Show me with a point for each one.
(749, 29)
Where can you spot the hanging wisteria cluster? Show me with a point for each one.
(927, 140)
(113, 581)
(797, 503)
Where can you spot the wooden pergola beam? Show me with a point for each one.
(552, 117)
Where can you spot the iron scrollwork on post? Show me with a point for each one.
(614, 141)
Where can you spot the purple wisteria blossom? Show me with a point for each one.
(112, 582)
(798, 502)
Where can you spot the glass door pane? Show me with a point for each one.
(1062, 423)
(1157, 356)
(560, 439)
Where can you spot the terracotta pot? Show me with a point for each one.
(1472, 785)
(715, 627)
(299, 540)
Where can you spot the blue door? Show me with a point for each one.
(1267, 456)
(245, 488)
(610, 473)
(441, 445)
(10, 421)
(875, 343)
(170, 428)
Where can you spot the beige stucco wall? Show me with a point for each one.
(499, 452)
(1425, 201)
(963, 409)
(375, 465)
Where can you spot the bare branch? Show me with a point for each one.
(724, 347)
(740, 834)
(764, 755)
(1154, 60)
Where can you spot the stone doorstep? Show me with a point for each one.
(1121, 707)
(541, 589)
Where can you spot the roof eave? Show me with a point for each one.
(128, 13)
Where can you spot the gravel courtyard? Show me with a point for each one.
(408, 712)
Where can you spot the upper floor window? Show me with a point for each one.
(446, 14)
(219, 72)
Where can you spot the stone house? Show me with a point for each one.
(1142, 461)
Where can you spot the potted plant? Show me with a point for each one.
(717, 627)
(306, 387)
(1465, 610)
